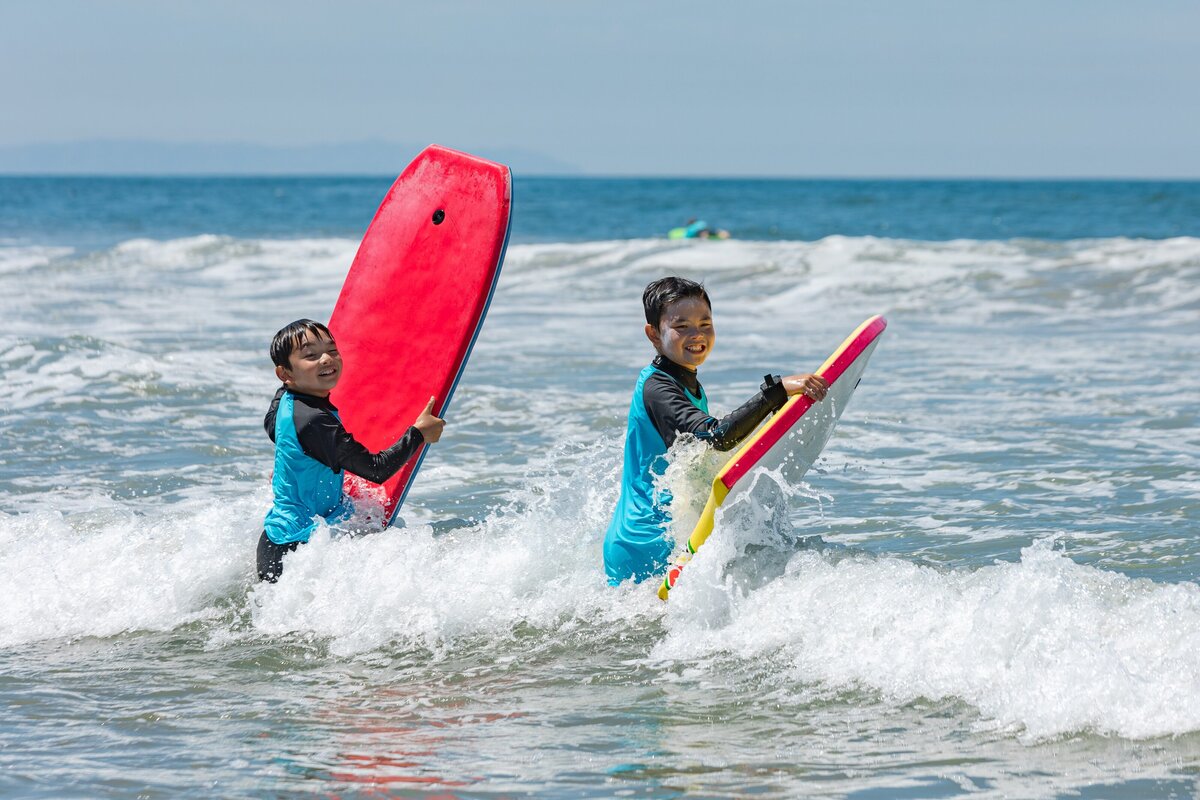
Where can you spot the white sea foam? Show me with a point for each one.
(118, 568)
(16, 257)
(148, 299)
(1043, 646)
(534, 562)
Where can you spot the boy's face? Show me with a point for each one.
(685, 334)
(314, 366)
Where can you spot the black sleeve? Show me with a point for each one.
(318, 431)
(269, 420)
(324, 438)
(378, 467)
(672, 413)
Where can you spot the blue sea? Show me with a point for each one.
(986, 587)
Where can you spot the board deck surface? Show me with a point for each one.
(414, 301)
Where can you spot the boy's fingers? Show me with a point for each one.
(429, 406)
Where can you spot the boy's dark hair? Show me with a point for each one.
(664, 291)
(290, 337)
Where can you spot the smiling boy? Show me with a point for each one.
(668, 400)
(312, 448)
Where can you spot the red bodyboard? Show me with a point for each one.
(415, 299)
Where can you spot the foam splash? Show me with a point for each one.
(117, 569)
(691, 467)
(1042, 646)
(533, 564)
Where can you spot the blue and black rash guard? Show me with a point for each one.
(312, 448)
(667, 400)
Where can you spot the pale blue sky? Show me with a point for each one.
(738, 87)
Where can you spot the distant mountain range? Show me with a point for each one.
(133, 157)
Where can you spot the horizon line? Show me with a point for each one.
(627, 176)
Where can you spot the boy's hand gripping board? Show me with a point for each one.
(796, 433)
(414, 300)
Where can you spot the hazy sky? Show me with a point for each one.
(721, 87)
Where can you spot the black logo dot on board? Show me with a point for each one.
(438, 216)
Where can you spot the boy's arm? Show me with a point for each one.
(269, 420)
(672, 413)
(325, 439)
(378, 467)
(741, 422)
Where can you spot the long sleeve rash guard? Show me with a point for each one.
(667, 401)
(673, 413)
(324, 439)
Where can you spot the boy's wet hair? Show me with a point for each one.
(291, 336)
(664, 291)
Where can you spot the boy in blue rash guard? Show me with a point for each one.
(668, 400)
(311, 446)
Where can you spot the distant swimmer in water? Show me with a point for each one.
(697, 229)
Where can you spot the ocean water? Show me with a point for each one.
(986, 587)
